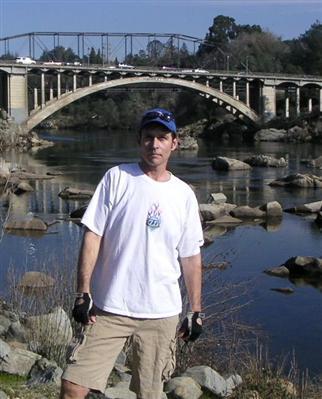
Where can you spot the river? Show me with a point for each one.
(292, 322)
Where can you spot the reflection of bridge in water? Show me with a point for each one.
(32, 93)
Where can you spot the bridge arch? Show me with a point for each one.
(232, 104)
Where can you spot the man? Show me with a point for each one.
(140, 221)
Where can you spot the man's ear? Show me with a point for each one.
(174, 143)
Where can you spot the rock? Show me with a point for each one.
(280, 271)
(16, 332)
(22, 187)
(213, 231)
(318, 219)
(272, 209)
(51, 328)
(246, 212)
(270, 135)
(312, 207)
(36, 280)
(224, 163)
(314, 163)
(266, 161)
(4, 351)
(70, 193)
(26, 223)
(298, 180)
(183, 388)
(233, 382)
(208, 378)
(298, 134)
(45, 371)
(120, 391)
(188, 143)
(121, 359)
(4, 322)
(213, 211)
(19, 362)
(304, 265)
(283, 290)
(217, 198)
(3, 395)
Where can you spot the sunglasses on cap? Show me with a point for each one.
(151, 115)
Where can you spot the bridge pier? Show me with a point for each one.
(287, 107)
(247, 93)
(58, 85)
(298, 110)
(42, 91)
(321, 99)
(269, 102)
(309, 105)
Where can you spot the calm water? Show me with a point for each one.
(291, 322)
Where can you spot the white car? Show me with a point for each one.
(125, 66)
(199, 70)
(52, 63)
(25, 60)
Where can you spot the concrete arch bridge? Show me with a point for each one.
(32, 93)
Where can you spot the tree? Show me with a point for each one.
(8, 56)
(306, 52)
(259, 51)
(59, 53)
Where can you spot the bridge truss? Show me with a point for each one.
(111, 45)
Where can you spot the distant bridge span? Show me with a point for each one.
(225, 100)
(32, 93)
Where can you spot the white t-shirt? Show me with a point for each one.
(145, 226)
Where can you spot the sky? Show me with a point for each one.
(285, 18)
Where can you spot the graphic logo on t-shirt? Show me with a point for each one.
(153, 219)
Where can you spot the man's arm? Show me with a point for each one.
(191, 268)
(87, 259)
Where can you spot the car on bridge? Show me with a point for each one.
(52, 63)
(126, 66)
(199, 70)
(25, 60)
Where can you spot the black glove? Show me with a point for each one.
(191, 327)
(82, 307)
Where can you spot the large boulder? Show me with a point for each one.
(18, 362)
(270, 135)
(217, 198)
(304, 265)
(210, 379)
(298, 180)
(273, 209)
(316, 163)
(52, 327)
(183, 388)
(311, 207)
(298, 134)
(266, 161)
(70, 193)
(224, 163)
(45, 371)
(26, 223)
(246, 212)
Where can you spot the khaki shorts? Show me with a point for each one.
(92, 354)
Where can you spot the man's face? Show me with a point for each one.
(156, 145)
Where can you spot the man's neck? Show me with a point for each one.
(157, 174)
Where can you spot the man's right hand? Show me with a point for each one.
(82, 308)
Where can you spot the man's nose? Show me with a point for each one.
(154, 142)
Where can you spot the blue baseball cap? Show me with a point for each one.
(161, 116)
